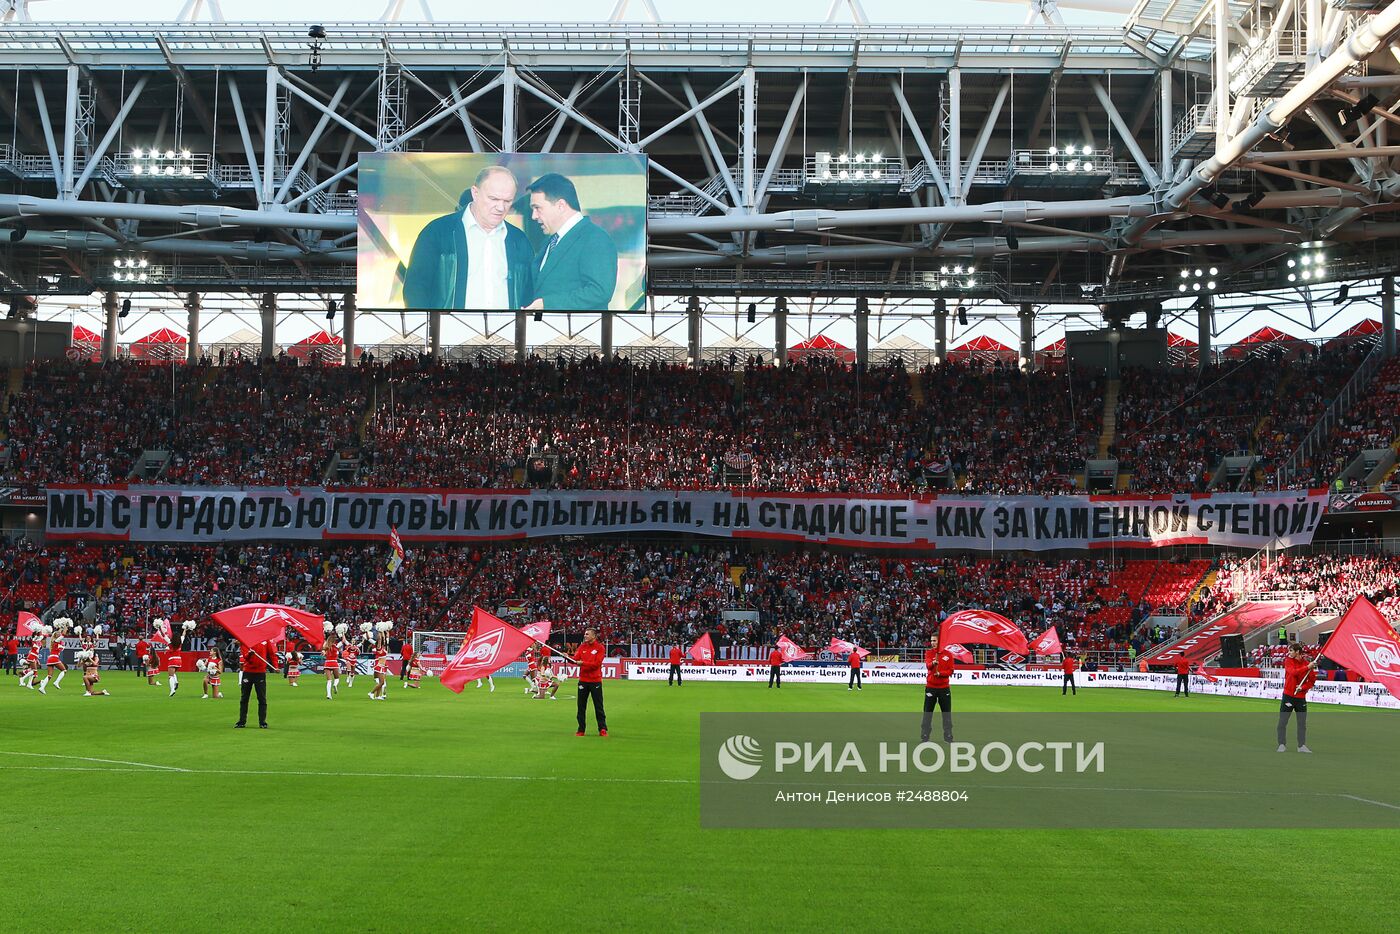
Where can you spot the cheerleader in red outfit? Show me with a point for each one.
(54, 660)
(152, 663)
(331, 668)
(173, 660)
(214, 669)
(293, 668)
(381, 661)
(31, 661)
(89, 660)
(350, 659)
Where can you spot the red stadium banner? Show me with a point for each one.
(951, 521)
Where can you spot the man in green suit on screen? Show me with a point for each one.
(577, 269)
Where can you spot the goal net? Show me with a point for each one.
(433, 649)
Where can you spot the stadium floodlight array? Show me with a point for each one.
(1076, 158)
(859, 167)
(161, 162)
(1198, 279)
(1307, 266)
(132, 269)
(957, 277)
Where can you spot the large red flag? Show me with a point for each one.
(1365, 643)
(1048, 643)
(162, 631)
(842, 647)
(959, 652)
(791, 651)
(27, 625)
(984, 628)
(1201, 670)
(703, 651)
(490, 645)
(538, 630)
(255, 623)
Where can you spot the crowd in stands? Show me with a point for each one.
(636, 592)
(1174, 425)
(1333, 579)
(1373, 422)
(817, 424)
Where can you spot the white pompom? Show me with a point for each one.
(342, 628)
(189, 624)
(97, 630)
(327, 627)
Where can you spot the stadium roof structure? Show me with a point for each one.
(1069, 165)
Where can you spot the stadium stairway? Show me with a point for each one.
(1110, 418)
(14, 384)
(916, 388)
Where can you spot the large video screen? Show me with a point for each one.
(456, 231)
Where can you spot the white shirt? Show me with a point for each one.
(563, 232)
(486, 265)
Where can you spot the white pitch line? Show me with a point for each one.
(1379, 804)
(308, 774)
(48, 755)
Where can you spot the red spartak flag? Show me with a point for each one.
(538, 630)
(309, 626)
(162, 631)
(842, 647)
(396, 557)
(791, 651)
(27, 625)
(1048, 643)
(490, 645)
(1201, 670)
(252, 624)
(959, 652)
(983, 628)
(1365, 643)
(703, 651)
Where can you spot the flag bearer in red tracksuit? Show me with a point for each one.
(775, 668)
(1183, 677)
(589, 657)
(854, 661)
(257, 662)
(1068, 666)
(675, 671)
(937, 692)
(1299, 675)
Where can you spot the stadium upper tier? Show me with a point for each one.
(815, 425)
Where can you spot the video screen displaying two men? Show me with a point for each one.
(502, 231)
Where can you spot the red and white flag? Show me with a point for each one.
(791, 651)
(1365, 643)
(1201, 670)
(703, 651)
(842, 647)
(959, 652)
(538, 630)
(310, 627)
(162, 631)
(396, 557)
(982, 627)
(1048, 643)
(490, 645)
(27, 625)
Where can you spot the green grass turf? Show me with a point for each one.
(484, 812)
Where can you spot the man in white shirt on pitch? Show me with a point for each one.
(473, 259)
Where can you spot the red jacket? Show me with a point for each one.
(1183, 667)
(940, 668)
(853, 659)
(12, 647)
(590, 657)
(1069, 665)
(775, 657)
(675, 655)
(1297, 679)
(256, 660)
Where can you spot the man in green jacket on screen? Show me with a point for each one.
(473, 259)
(577, 268)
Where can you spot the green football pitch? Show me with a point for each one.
(141, 812)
